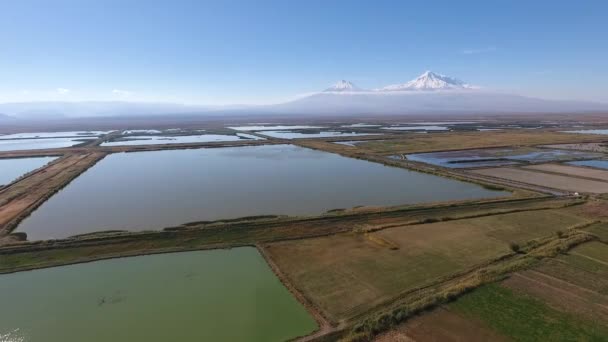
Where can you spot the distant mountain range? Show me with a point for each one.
(428, 102)
(427, 81)
(428, 93)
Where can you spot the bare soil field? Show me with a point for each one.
(458, 141)
(584, 172)
(593, 147)
(346, 274)
(441, 325)
(597, 209)
(545, 179)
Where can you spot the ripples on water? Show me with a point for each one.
(12, 336)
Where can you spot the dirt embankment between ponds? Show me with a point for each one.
(325, 326)
(19, 199)
(136, 148)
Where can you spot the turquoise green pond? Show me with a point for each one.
(220, 295)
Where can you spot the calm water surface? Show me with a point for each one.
(70, 134)
(152, 190)
(589, 131)
(355, 142)
(178, 139)
(363, 125)
(142, 131)
(496, 157)
(300, 135)
(439, 123)
(221, 295)
(600, 164)
(271, 127)
(415, 128)
(11, 169)
(37, 144)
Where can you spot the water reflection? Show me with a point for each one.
(152, 190)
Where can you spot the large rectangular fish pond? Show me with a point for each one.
(153, 190)
(221, 295)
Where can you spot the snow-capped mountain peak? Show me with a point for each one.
(429, 81)
(343, 86)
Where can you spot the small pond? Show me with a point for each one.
(11, 169)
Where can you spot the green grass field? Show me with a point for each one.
(525, 318)
(590, 257)
(595, 251)
(600, 230)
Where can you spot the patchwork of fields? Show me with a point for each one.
(526, 261)
(559, 299)
(347, 274)
(582, 172)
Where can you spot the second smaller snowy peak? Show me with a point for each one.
(343, 86)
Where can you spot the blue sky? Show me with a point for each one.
(223, 52)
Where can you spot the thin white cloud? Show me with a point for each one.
(62, 91)
(122, 93)
(478, 51)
